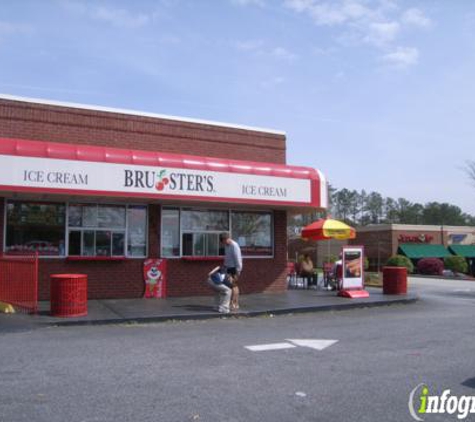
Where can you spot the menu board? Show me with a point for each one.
(352, 261)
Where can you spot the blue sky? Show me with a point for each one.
(378, 94)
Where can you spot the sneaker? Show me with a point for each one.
(223, 311)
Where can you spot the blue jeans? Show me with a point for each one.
(222, 296)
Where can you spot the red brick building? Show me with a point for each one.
(97, 191)
(385, 240)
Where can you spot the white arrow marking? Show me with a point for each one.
(314, 344)
(271, 346)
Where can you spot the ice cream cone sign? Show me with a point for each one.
(155, 276)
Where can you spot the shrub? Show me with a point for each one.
(457, 264)
(400, 261)
(430, 266)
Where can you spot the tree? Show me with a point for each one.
(390, 210)
(343, 204)
(363, 202)
(471, 170)
(331, 200)
(403, 210)
(360, 208)
(438, 214)
(354, 208)
(374, 207)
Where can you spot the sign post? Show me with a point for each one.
(352, 285)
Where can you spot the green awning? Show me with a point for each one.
(467, 251)
(416, 251)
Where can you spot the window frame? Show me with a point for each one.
(272, 238)
(67, 229)
(6, 201)
(95, 229)
(229, 211)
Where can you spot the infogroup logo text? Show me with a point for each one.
(422, 404)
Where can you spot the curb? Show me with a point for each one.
(241, 314)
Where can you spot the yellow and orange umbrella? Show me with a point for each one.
(327, 228)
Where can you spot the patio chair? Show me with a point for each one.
(294, 281)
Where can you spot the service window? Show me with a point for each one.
(35, 227)
(170, 229)
(253, 232)
(195, 232)
(107, 230)
(200, 231)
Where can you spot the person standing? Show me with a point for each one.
(233, 264)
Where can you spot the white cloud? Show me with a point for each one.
(378, 23)
(273, 82)
(73, 6)
(382, 33)
(282, 53)
(330, 13)
(416, 17)
(259, 3)
(169, 40)
(7, 28)
(120, 17)
(259, 49)
(299, 5)
(249, 45)
(402, 57)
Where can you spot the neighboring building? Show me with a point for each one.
(416, 241)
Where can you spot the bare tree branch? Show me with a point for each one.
(471, 170)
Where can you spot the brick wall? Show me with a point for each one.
(123, 279)
(59, 124)
(188, 278)
(380, 245)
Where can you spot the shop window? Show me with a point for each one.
(35, 227)
(74, 243)
(201, 244)
(106, 230)
(204, 220)
(253, 232)
(170, 229)
(137, 230)
(200, 231)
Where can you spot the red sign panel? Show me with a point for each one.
(420, 238)
(155, 276)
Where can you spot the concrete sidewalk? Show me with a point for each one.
(192, 308)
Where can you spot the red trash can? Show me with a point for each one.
(68, 295)
(394, 280)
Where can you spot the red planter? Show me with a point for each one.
(394, 280)
(68, 295)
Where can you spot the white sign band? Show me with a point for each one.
(48, 173)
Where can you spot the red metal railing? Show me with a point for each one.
(19, 281)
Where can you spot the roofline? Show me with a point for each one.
(138, 113)
(412, 227)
